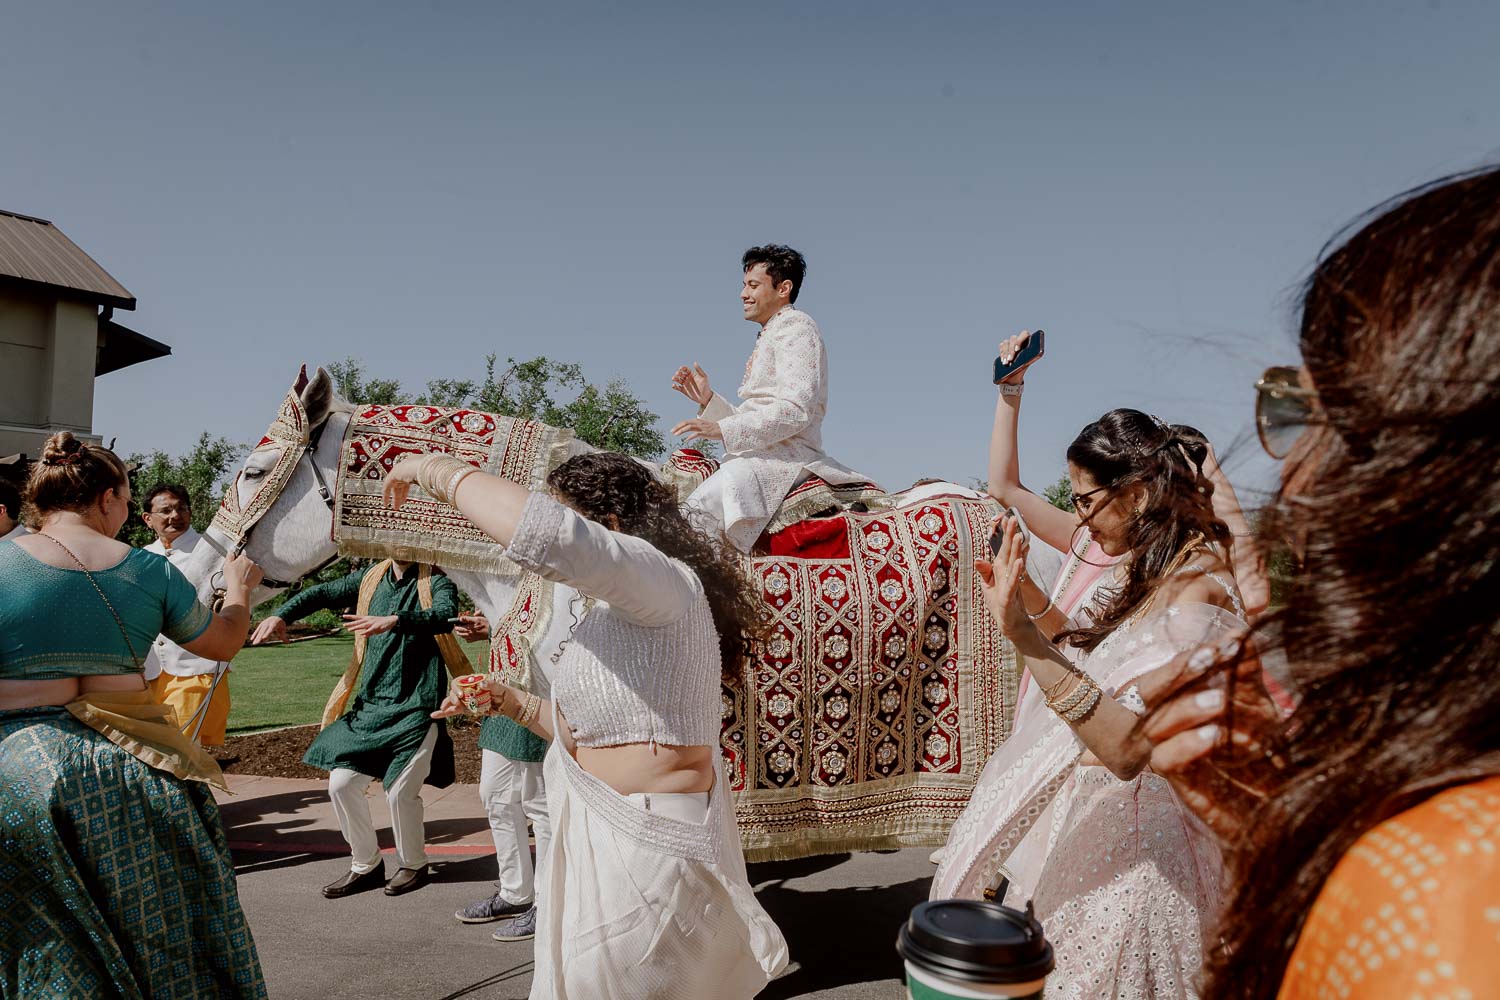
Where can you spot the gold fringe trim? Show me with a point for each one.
(822, 498)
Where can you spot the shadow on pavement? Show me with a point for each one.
(255, 862)
(515, 972)
(837, 936)
(242, 815)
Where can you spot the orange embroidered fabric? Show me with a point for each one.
(1413, 910)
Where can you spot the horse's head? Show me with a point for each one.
(279, 508)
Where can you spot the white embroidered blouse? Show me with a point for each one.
(643, 664)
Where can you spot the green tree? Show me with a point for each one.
(350, 381)
(553, 392)
(1060, 494)
(205, 471)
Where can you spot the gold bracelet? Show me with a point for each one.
(531, 705)
(1040, 614)
(1051, 693)
(1082, 710)
(450, 489)
(435, 473)
(1067, 699)
(1079, 702)
(1062, 705)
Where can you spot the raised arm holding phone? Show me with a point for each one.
(1145, 579)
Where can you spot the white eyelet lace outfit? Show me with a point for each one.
(1126, 881)
(774, 439)
(635, 901)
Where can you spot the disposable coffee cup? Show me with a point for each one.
(968, 949)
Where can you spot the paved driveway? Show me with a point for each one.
(840, 914)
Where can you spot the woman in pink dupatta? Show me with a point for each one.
(1124, 880)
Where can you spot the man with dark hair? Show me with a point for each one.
(195, 687)
(773, 440)
(10, 510)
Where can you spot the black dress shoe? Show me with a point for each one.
(353, 882)
(406, 880)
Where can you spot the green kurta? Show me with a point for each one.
(510, 739)
(402, 681)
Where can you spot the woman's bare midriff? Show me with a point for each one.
(643, 767)
(61, 690)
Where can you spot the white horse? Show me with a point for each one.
(860, 723)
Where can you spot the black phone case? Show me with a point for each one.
(1027, 355)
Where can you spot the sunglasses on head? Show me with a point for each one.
(1284, 408)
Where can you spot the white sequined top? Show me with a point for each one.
(643, 665)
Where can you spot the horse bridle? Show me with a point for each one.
(307, 451)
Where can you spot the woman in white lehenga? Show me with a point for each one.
(1125, 881)
(643, 892)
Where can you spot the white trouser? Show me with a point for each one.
(348, 789)
(513, 792)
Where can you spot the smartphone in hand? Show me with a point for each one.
(1029, 353)
(995, 536)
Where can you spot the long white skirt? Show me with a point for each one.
(1129, 893)
(638, 905)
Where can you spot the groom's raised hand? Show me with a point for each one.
(693, 383)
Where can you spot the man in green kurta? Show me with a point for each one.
(377, 725)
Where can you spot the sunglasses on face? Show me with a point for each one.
(1284, 408)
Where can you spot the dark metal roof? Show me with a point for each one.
(124, 347)
(35, 251)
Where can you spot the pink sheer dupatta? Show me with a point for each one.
(1009, 825)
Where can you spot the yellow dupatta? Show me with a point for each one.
(453, 655)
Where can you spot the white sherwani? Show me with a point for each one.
(774, 439)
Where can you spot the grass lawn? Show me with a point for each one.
(288, 685)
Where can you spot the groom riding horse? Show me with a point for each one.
(861, 722)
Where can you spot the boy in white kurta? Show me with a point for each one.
(773, 439)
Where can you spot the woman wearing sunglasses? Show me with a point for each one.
(1066, 815)
(1363, 834)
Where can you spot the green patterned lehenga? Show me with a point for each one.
(115, 876)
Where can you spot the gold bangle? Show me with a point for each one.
(530, 706)
(450, 489)
(436, 474)
(1051, 694)
(1082, 711)
(1065, 703)
(1040, 614)
(1079, 702)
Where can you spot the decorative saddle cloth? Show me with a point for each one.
(864, 719)
(687, 468)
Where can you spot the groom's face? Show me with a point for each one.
(760, 296)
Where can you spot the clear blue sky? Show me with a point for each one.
(417, 184)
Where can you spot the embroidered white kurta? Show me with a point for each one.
(774, 439)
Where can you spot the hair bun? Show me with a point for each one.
(61, 448)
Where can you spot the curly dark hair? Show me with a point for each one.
(1389, 625)
(782, 264)
(605, 483)
(1127, 446)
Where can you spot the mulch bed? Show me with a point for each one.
(278, 753)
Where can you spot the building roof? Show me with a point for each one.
(122, 347)
(36, 252)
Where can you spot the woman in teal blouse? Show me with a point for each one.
(117, 879)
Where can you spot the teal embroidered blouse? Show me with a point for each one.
(53, 624)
